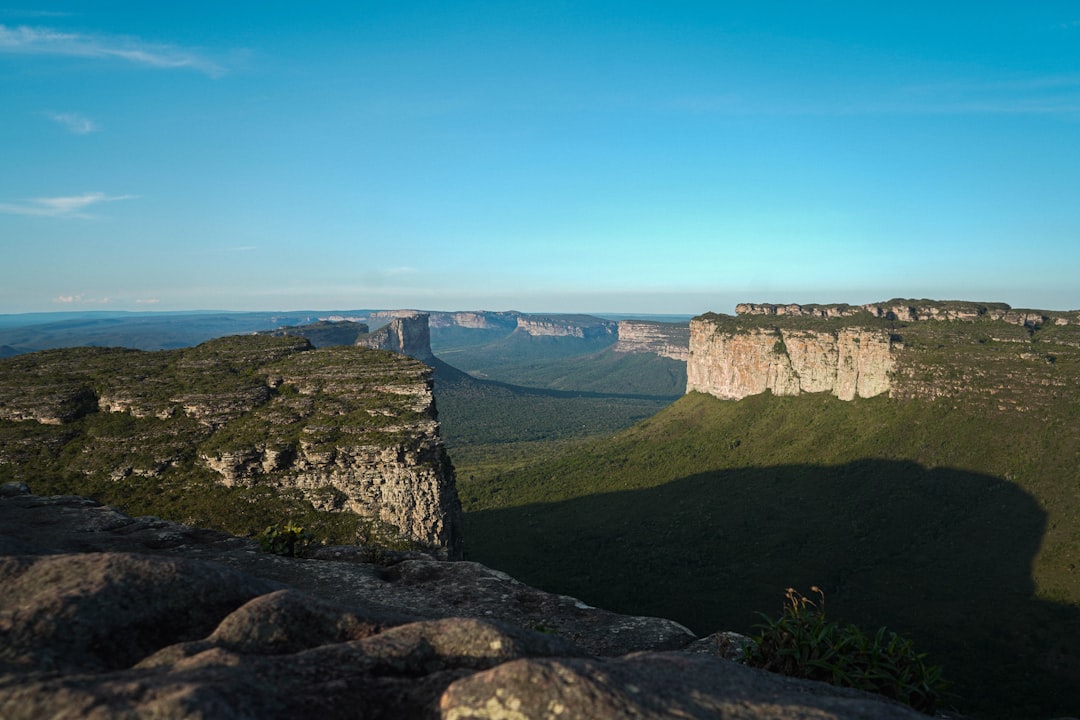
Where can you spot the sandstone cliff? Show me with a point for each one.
(663, 339)
(475, 320)
(579, 326)
(408, 333)
(732, 362)
(348, 428)
(982, 352)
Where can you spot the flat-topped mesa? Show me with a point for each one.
(732, 362)
(408, 334)
(668, 340)
(475, 319)
(580, 326)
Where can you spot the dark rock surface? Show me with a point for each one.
(107, 616)
(652, 685)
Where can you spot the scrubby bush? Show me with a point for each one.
(802, 643)
(288, 540)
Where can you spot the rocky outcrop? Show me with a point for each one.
(793, 310)
(578, 326)
(407, 334)
(651, 686)
(351, 429)
(664, 339)
(916, 311)
(732, 362)
(107, 616)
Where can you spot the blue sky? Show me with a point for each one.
(644, 157)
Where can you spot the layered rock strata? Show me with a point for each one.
(579, 326)
(663, 339)
(476, 320)
(408, 334)
(732, 362)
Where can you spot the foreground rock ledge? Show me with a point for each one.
(107, 616)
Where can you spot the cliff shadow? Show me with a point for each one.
(941, 555)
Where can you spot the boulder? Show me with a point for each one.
(650, 686)
(108, 616)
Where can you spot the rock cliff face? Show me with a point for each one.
(579, 326)
(349, 428)
(664, 339)
(475, 320)
(408, 333)
(983, 352)
(732, 363)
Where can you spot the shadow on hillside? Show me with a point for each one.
(942, 555)
(449, 379)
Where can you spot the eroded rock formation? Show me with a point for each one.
(350, 428)
(475, 320)
(732, 362)
(664, 339)
(579, 326)
(408, 333)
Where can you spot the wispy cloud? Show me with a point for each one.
(23, 12)
(80, 299)
(74, 122)
(71, 206)
(27, 40)
(146, 301)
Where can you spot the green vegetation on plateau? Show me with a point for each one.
(952, 518)
(130, 428)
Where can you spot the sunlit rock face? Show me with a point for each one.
(664, 339)
(580, 326)
(408, 334)
(732, 363)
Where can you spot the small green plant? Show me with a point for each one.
(288, 540)
(802, 643)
